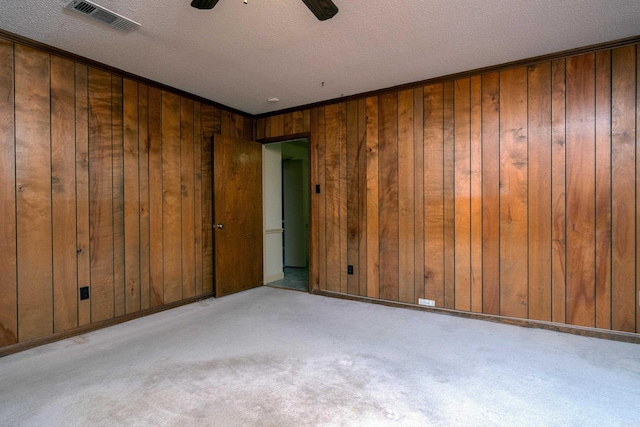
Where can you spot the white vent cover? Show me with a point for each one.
(100, 13)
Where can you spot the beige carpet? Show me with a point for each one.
(273, 357)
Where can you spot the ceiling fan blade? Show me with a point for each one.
(323, 9)
(204, 4)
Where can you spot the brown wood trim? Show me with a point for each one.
(284, 138)
(526, 323)
(15, 348)
(15, 38)
(464, 74)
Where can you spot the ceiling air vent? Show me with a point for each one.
(102, 14)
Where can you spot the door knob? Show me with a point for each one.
(219, 226)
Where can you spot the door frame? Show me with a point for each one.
(312, 215)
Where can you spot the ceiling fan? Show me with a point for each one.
(323, 9)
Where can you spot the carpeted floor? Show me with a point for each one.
(272, 357)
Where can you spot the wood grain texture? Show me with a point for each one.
(33, 188)
(197, 165)
(513, 193)
(298, 122)
(418, 186)
(82, 190)
(388, 196)
(603, 190)
(8, 238)
(462, 188)
(558, 191)
(623, 190)
(373, 250)
(156, 259)
(237, 185)
(208, 123)
(117, 135)
(332, 198)
(362, 195)
(101, 196)
(637, 292)
(63, 195)
(449, 197)
(314, 280)
(132, 249)
(171, 198)
(143, 174)
(433, 194)
(491, 193)
(343, 216)
(322, 198)
(353, 196)
(580, 184)
(406, 198)
(539, 198)
(187, 179)
(476, 194)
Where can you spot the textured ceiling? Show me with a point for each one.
(241, 55)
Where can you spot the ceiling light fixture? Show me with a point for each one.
(273, 100)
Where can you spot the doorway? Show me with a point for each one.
(286, 201)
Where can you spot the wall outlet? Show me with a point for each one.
(350, 269)
(427, 302)
(84, 293)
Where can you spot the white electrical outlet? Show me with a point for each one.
(427, 302)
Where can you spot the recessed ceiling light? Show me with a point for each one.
(273, 100)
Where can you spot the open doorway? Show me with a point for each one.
(286, 214)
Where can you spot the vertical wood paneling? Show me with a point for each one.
(476, 194)
(131, 197)
(343, 216)
(388, 196)
(314, 212)
(558, 191)
(33, 188)
(197, 164)
(82, 190)
(306, 121)
(406, 198)
(63, 195)
(637, 290)
(8, 266)
(491, 193)
(513, 193)
(171, 200)
(539, 130)
(580, 186)
(288, 124)
(603, 190)
(373, 254)
(101, 196)
(156, 260)
(362, 197)
(298, 122)
(118, 194)
(188, 200)
(208, 123)
(623, 191)
(449, 194)
(418, 155)
(462, 188)
(353, 199)
(433, 194)
(143, 163)
(332, 197)
(322, 197)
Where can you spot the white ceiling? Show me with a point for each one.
(240, 55)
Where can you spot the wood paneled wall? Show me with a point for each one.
(511, 193)
(104, 182)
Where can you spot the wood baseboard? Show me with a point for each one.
(15, 348)
(628, 337)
